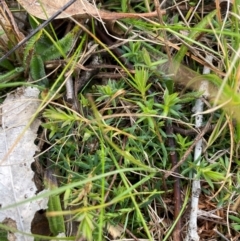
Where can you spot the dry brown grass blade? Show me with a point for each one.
(81, 9)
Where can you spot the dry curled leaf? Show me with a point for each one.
(81, 9)
(44, 9)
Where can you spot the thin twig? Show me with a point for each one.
(191, 132)
(177, 189)
(222, 236)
